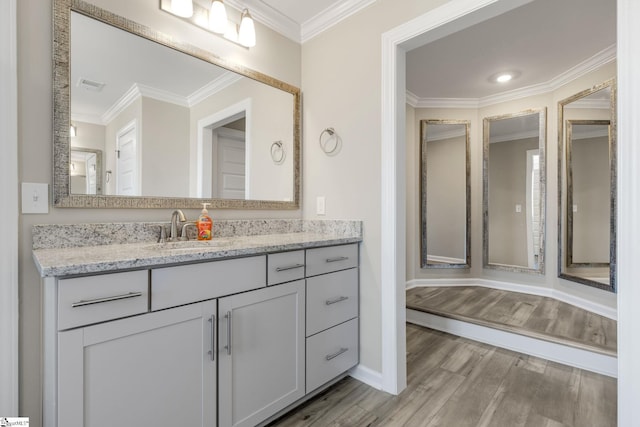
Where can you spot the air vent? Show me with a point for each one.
(90, 85)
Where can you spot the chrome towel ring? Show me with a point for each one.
(327, 146)
(277, 152)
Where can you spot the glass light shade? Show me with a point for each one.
(218, 17)
(72, 131)
(183, 8)
(247, 31)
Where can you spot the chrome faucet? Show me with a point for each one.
(176, 216)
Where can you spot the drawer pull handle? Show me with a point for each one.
(82, 303)
(228, 346)
(335, 300)
(336, 354)
(291, 267)
(212, 351)
(338, 258)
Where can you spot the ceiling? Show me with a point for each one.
(547, 42)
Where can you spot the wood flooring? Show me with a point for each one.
(456, 382)
(530, 315)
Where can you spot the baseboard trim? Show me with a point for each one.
(578, 358)
(366, 375)
(577, 301)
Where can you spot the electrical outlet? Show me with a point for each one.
(320, 205)
(35, 198)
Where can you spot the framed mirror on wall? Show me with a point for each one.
(587, 187)
(514, 191)
(176, 124)
(445, 194)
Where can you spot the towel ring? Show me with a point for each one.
(277, 152)
(325, 145)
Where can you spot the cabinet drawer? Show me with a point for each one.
(331, 299)
(285, 267)
(331, 353)
(86, 300)
(333, 258)
(173, 286)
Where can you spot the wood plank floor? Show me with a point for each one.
(530, 315)
(455, 382)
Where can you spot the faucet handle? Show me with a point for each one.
(184, 233)
(163, 235)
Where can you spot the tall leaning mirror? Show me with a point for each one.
(176, 124)
(587, 187)
(445, 194)
(514, 179)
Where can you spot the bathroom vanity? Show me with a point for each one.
(229, 332)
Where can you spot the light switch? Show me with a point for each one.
(35, 198)
(518, 208)
(320, 205)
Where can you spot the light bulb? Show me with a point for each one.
(73, 131)
(247, 31)
(503, 78)
(182, 8)
(218, 17)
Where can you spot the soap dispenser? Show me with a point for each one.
(205, 224)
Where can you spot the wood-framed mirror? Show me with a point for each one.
(587, 187)
(514, 191)
(177, 124)
(445, 194)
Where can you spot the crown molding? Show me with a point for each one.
(330, 17)
(593, 104)
(213, 87)
(125, 100)
(441, 137)
(598, 60)
(514, 136)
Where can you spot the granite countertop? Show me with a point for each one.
(76, 260)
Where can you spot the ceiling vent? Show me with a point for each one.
(90, 85)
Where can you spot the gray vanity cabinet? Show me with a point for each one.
(153, 370)
(261, 348)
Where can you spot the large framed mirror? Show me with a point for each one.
(587, 187)
(445, 194)
(514, 191)
(177, 125)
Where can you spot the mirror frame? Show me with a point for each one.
(61, 116)
(542, 147)
(564, 173)
(423, 192)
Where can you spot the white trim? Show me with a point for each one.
(628, 14)
(213, 87)
(594, 307)
(123, 102)
(330, 17)
(269, 17)
(368, 376)
(514, 136)
(445, 259)
(567, 355)
(9, 304)
(416, 32)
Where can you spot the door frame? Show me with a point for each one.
(9, 291)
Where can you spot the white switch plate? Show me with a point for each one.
(320, 205)
(518, 208)
(35, 198)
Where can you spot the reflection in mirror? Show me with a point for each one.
(514, 191)
(445, 194)
(173, 125)
(587, 192)
(85, 171)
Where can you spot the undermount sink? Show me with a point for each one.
(189, 245)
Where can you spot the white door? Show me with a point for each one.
(91, 174)
(156, 369)
(127, 174)
(230, 164)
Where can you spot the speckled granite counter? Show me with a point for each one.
(65, 250)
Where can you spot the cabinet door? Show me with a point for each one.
(156, 369)
(261, 353)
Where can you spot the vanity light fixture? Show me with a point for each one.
(73, 131)
(215, 20)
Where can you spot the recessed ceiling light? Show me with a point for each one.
(504, 76)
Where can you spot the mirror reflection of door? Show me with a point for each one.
(229, 159)
(445, 194)
(514, 196)
(127, 161)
